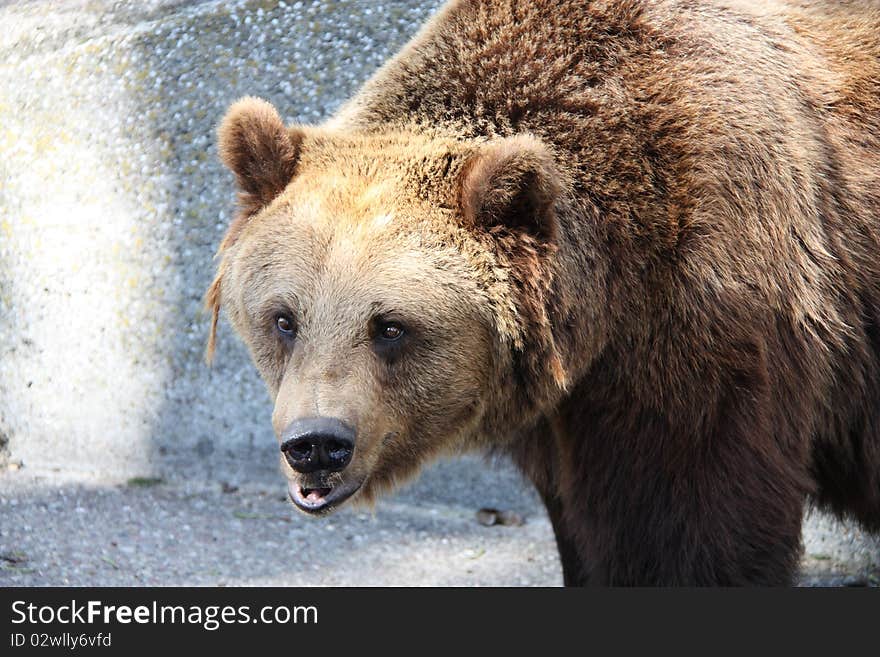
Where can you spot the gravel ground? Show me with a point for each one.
(83, 532)
(77, 531)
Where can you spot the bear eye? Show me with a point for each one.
(285, 325)
(391, 331)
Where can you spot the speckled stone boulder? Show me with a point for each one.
(112, 203)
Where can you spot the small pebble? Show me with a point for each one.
(488, 517)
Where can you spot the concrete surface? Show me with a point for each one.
(111, 205)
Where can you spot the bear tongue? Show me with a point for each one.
(315, 494)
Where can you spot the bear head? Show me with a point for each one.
(394, 290)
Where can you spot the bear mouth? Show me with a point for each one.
(320, 500)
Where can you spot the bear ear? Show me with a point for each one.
(511, 183)
(262, 153)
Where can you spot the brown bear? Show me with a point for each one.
(634, 244)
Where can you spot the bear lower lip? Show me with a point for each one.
(319, 499)
(309, 498)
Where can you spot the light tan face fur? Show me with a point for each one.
(340, 266)
(343, 236)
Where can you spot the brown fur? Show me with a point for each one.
(262, 153)
(637, 241)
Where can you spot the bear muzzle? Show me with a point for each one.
(318, 449)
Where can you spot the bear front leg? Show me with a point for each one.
(711, 510)
(573, 571)
(537, 454)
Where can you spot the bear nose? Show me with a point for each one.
(322, 443)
